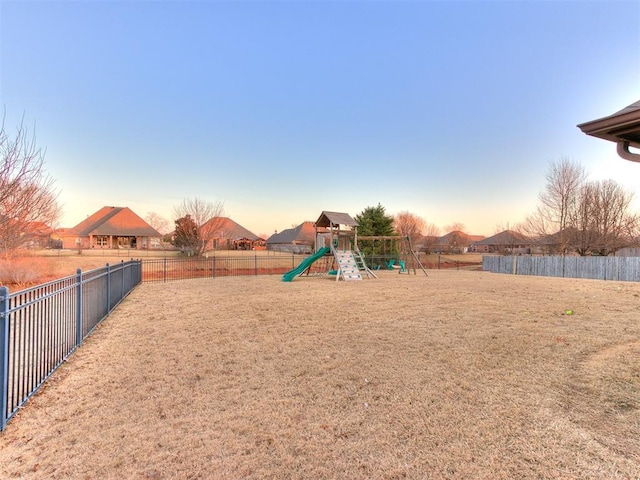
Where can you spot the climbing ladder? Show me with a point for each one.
(347, 266)
(351, 265)
(362, 266)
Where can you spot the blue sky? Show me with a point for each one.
(281, 109)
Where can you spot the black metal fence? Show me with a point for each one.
(41, 326)
(168, 269)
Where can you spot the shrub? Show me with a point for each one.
(20, 271)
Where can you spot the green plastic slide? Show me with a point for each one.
(306, 263)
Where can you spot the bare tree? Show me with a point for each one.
(409, 225)
(159, 223)
(558, 201)
(207, 217)
(27, 196)
(431, 236)
(454, 227)
(602, 222)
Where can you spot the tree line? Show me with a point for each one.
(573, 213)
(577, 215)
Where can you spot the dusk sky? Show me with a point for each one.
(282, 109)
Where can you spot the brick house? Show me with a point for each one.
(224, 234)
(109, 228)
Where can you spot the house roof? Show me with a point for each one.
(622, 127)
(326, 219)
(507, 237)
(39, 228)
(303, 233)
(227, 228)
(117, 221)
(458, 236)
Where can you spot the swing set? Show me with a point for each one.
(390, 252)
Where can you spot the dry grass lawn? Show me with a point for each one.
(459, 375)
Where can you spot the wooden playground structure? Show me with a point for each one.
(336, 246)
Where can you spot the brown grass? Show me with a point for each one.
(457, 375)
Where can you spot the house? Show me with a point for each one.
(110, 227)
(455, 242)
(19, 234)
(222, 233)
(300, 239)
(506, 241)
(40, 236)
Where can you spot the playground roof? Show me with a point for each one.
(327, 219)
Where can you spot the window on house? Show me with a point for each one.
(101, 240)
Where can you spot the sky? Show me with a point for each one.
(279, 110)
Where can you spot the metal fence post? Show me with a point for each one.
(122, 286)
(108, 288)
(79, 308)
(4, 355)
(255, 263)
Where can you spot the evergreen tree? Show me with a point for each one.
(374, 221)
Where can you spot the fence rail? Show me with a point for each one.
(168, 269)
(41, 326)
(626, 269)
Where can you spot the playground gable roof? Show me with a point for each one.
(326, 219)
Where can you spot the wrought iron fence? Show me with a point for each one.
(41, 326)
(168, 269)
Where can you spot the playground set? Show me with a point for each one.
(337, 252)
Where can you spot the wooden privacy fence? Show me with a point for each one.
(625, 269)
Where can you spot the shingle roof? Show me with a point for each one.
(507, 237)
(303, 233)
(327, 219)
(458, 236)
(117, 221)
(227, 228)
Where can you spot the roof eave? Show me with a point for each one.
(622, 128)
